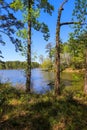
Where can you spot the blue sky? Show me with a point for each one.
(38, 43)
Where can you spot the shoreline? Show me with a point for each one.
(70, 70)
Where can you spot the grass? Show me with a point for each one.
(22, 111)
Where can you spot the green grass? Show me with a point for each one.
(22, 111)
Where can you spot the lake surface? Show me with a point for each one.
(39, 79)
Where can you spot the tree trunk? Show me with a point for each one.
(57, 60)
(28, 70)
(85, 86)
(57, 55)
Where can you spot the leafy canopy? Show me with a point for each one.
(33, 14)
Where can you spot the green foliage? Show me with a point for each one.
(9, 24)
(80, 14)
(76, 78)
(63, 66)
(53, 53)
(46, 6)
(22, 33)
(34, 65)
(41, 112)
(47, 64)
(17, 65)
(77, 47)
(32, 14)
(49, 50)
(17, 4)
(69, 94)
(65, 56)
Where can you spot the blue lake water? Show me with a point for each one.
(39, 79)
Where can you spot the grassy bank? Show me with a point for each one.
(21, 111)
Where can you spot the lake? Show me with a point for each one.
(39, 79)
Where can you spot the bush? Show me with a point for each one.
(69, 95)
(47, 64)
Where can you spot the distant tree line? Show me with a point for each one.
(17, 65)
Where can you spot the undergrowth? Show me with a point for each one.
(22, 111)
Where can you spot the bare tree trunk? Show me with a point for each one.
(85, 86)
(57, 60)
(57, 57)
(28, 70)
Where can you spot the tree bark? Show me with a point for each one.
(85, 86)
(28, 70)
(57, 55)
(57, 60)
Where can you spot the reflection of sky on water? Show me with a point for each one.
(39, 80)
(13, 76)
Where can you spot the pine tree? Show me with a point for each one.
(31, 9)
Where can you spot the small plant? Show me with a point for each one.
(69, 94)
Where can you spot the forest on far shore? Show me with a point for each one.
(17, 65)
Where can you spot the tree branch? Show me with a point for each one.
(68, 23)
(4, 32)
(61, 7)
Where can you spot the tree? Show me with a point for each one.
(32, 9)
(1, 62)
(41, 59)
(83, 39)
(77, 53)
(80, 13)
(57, 48)
(49, 50)
(47, 64)
(85, 86)
(65, 54)
(57, 55)
(9, 24)
(1, 56)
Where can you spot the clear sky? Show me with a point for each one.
(38, 43)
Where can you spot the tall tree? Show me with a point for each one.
(32, 9)
(80, 13)
(57, 55)
(76, 51)
(85, 85)
(28, 71)
(57, 48)
(83, 38)
(48, 50)
(65, 56)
